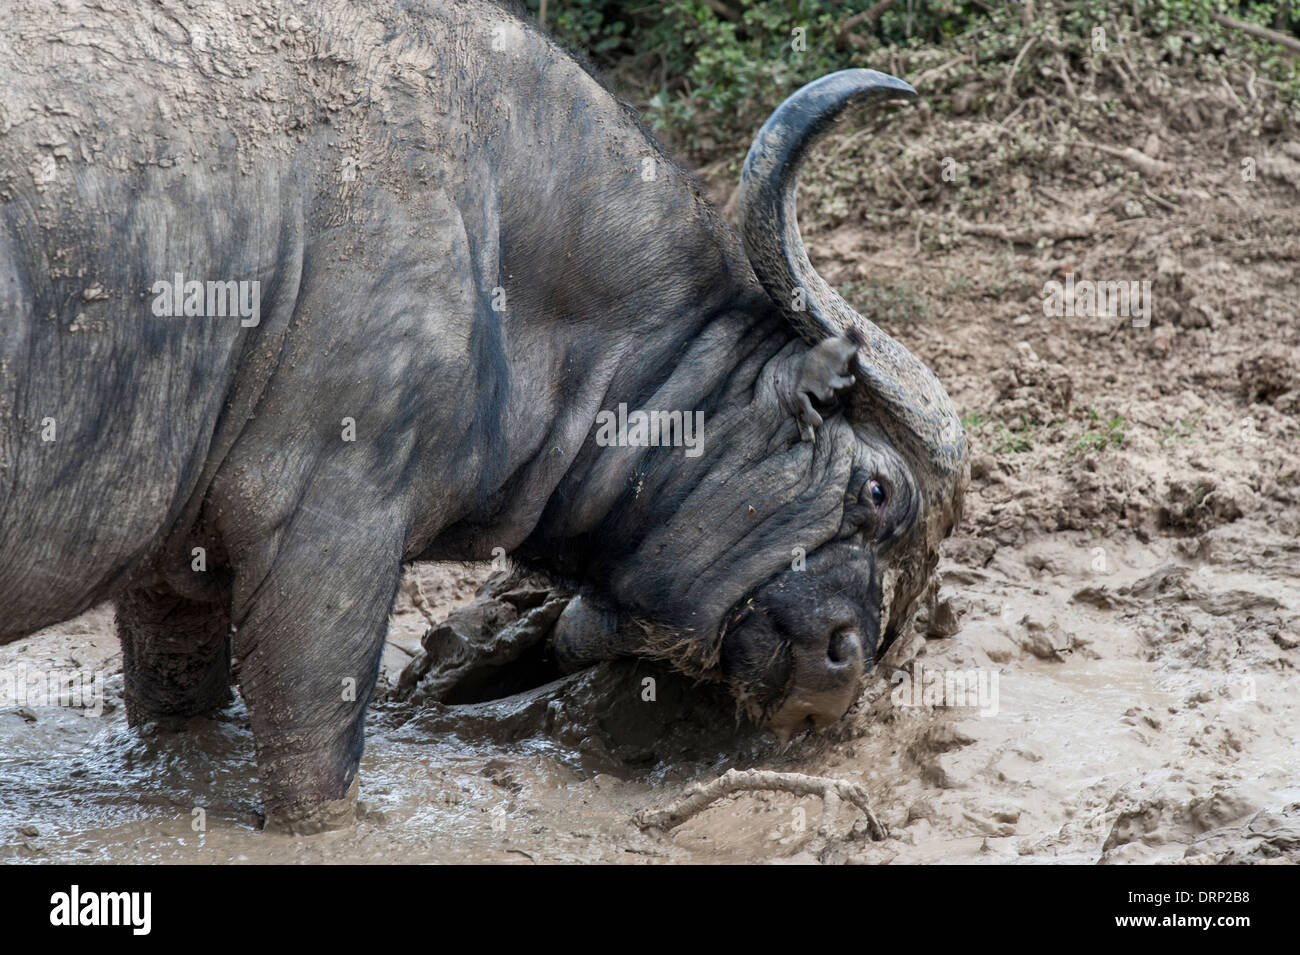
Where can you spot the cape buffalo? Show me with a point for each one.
(294, 294)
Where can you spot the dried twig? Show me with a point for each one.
(1172, 207)
(1262, 33)
(938, 71)
(1114, 63)
(1135, 158)
(870, 15)
(699, 796)
(1014, 113)
(1065, 76)
(1223, 81)
(899, 183)
(1132, 70)
(1016, 65)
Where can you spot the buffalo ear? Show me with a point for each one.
(823, 371)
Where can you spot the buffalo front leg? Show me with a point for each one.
(307, 648)
(176, 656)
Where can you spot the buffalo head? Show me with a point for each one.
(784, 557)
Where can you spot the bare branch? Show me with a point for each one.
(1133, 157)
(699, 796)
(1016, 65)
(870, 15)
(1262, 33)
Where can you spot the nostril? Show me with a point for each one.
(844, 648)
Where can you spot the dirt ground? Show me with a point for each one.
(1125, 584)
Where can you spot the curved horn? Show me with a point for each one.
(894, 390)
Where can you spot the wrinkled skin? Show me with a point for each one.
(461, 262)
(729, 528)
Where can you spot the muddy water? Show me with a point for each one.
(1110, 742)
(78, 788)
(479, 783)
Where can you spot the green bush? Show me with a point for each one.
(706, 72)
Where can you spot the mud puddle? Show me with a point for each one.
(1103, 745)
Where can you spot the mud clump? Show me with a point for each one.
(1032, 390)
(1188, 824)
(622, 717)
(489, 649)
(486, 671)
(1270, 837)
(1269, 378)
(1196, 505)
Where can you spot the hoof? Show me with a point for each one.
(308, 819)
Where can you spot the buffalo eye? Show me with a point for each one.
(877, 492)
(867, 503)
